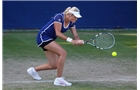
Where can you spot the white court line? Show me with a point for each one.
(111, 80)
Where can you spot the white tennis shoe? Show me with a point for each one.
(61, 82)
(33, 73)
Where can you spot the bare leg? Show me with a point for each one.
(52, 64)
(57, 49)
(56, 56)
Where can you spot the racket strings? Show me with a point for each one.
(104, 41)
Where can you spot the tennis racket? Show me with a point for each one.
(104, 40)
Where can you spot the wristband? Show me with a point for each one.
(69, 39)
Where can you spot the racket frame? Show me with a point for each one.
(93, 44)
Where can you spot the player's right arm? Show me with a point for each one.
(58, 25)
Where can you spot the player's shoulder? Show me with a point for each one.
(60, 15)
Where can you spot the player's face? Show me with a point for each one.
(72, 18)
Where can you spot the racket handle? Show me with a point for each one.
(81, 41)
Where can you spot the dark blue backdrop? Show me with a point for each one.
(96, 14)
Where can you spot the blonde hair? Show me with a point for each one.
(72, 9)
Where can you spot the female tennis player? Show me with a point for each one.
(55, 54)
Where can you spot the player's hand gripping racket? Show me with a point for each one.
(102, 41)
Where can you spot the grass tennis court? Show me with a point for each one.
(86, 67)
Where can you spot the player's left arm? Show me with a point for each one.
(75, 34)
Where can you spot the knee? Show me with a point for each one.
(63, 53)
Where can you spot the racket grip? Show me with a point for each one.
(83, 42)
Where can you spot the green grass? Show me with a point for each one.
(22, 44)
